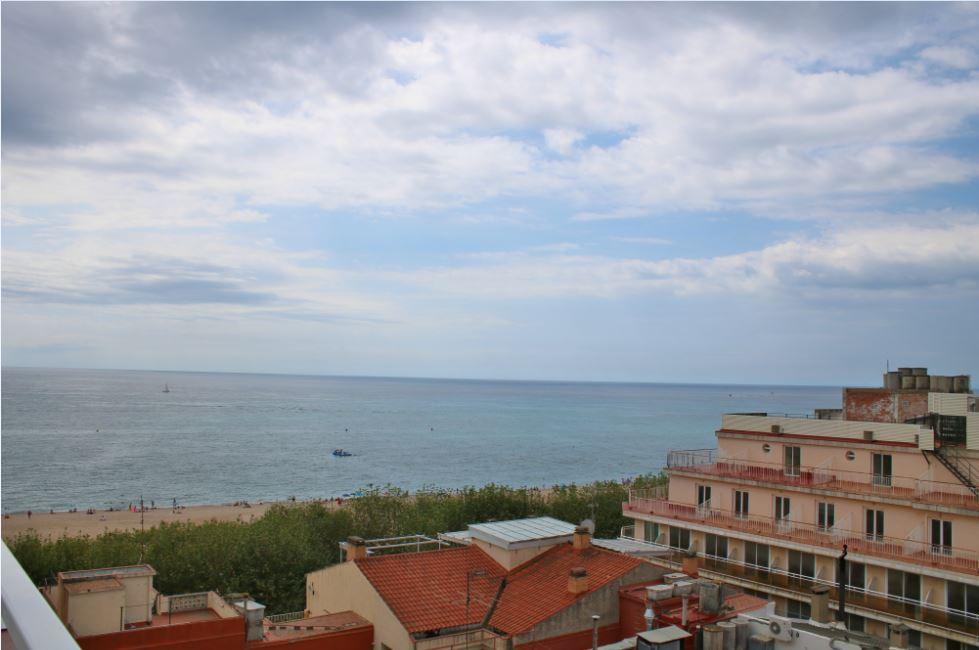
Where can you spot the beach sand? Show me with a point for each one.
(79, 523)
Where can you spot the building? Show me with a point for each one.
(531, 583)
(892, 477)
(117, 608)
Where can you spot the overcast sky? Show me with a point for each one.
(696, 192)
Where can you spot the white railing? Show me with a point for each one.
(285, 618)
(824, 476)
(943, 616)
(905, 550)
(28, 617)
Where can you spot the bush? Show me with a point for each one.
(269, 558)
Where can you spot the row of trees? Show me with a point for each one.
(269, 557)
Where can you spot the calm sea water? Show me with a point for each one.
(99, 438)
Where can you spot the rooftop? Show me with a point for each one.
(87, 586)
(523, 533)
(110, 572)
(456, 588)
(313, 626)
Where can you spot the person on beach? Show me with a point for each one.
(28, 514)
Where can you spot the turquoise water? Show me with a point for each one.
(93, 438)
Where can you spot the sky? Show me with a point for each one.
(750, 193)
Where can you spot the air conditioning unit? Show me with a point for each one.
(780, 628)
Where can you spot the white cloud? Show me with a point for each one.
(953, 56)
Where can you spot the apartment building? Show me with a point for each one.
(891, 477)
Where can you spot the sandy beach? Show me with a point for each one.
(80, 523)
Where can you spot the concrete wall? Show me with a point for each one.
(342, 587)
(510, 559)
(95, 612)
(217, 634)
(911, 434)
(883, 405)
(139, 598)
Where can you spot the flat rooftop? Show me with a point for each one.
(313, 626)
(523, 533)
(109, 572)
(88, 586)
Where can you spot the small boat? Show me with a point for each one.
(166, 388)
(340, 453)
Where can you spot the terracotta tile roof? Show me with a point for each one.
(538, 589)
(427, 590)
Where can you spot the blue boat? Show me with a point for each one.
(340, 453)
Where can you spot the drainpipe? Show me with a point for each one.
(594, 631)
(683, 615)
(841, 580)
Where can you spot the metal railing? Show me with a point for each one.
(919, 610)
(708, 462)
(28, 617)
(285, 618)
(480, 639)
(903, 550)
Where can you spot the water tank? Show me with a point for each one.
(254, 614)
(659, 592)
(683, 588)
(922, 382)
(960, 384)
(710, 597)
(743, 631)
(904, 372)
(907, 382)
(761, 642)
(713, 637)
(730, 634)
(673, 578)
(892, 380)
(941, 384)
(919, 372)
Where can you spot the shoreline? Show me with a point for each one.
(48, 525)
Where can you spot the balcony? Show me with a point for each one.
(922, 612)
(652, 502)
(706, 462)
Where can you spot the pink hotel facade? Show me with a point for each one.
(893, 475)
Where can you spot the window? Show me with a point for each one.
(716, 546)
(798, 609)
(792, 457)
(756, 555)
(958, 645)
(905, 587)
(875, 524)
(856, 575)
(740, 504)
(782, 507)
(703, 497)
(882, 469)
(941, 536)
(855, 623)
(825, 515)
(650, 531)
(963, 599)
(802, 565)
(679, 538)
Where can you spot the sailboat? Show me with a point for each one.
(166, 388)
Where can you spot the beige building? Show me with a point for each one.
(772, 507)
(97, 601)
(533, 582)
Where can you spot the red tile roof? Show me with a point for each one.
(427, 591)
(538, 589)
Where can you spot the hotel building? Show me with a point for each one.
(892, 476)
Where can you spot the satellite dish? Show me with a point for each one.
(590, 525)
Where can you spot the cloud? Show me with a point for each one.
(952, 56)
(902, 260)
(656, 241)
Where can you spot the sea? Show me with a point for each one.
(101, 438)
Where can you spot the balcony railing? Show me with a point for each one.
(903, 550)
(32, 623)
(960, 621)
(708, 463)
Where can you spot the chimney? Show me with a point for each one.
(356, 549)
(820, 604)
(578, 581)
(899, 635)
(582, 538)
